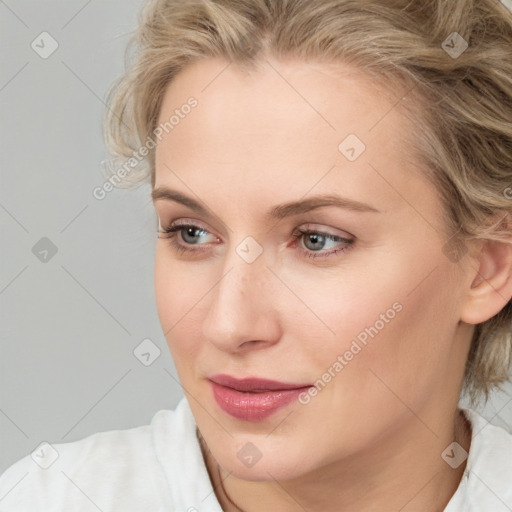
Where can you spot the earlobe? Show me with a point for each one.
(491, 287)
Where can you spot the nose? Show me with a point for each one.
(241, 312)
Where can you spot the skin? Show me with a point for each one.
(372, 438)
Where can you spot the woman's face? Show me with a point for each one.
(367, 305)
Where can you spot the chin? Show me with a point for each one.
(273, 464)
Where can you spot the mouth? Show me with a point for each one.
(253, 399)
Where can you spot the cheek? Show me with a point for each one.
(177, 289)
(405, 359)
(380, 321)
(165, 285)
(371, 368)
(341, 307)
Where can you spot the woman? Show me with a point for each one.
(332, 182)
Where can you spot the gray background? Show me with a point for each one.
(69, 325)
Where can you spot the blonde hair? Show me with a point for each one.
(462, 98)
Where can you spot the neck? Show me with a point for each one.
(403, 471)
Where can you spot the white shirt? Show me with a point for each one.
(159, 467)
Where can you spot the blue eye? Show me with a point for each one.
(320, 238)
(190, 231)
(190, 235)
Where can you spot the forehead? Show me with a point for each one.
(284, 128)
(324, 95)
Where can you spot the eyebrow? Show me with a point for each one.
(277, 212)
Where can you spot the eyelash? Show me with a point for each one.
(172, 230)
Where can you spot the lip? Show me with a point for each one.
(252, 398)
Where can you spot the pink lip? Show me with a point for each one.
(253, 399)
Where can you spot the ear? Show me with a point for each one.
(491, 286)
